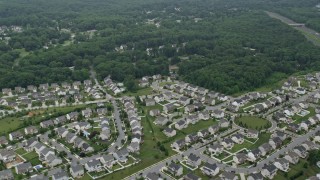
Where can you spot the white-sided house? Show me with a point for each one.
(227, 143)
(301, 151)
(292, 157)
(210, 169)
(161, 120)
(282, 164)
(169, 132)
(76, 171)
(175, 169)
(237, 138)
(193, 160)
(218, 113)
(154, 112)
(240, 158)
(254, 155)
(181, 124)
(93, 166)
(108, 160)
(215, 149)
(269, 171)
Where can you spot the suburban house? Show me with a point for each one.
(6, 174)
(265, 149)
(154, 112)
(229, 176)
(215, 148)
(24, 168)
(175, 169)
(292, 157)
(179, 144)
(150, 102)
(30, 130)
(218, 114)
(237, 138)
(269, 171)
(252, 133)
(181, 124)
(224, 123)
(227, 143)
(108, 160)
(193, 160)
(14, 136)
(301, 151)
(255, 176)
(121, 155)
(61, 175)
(169, 132)
(240, 158)
(93, 166)
(210, 169)
(254, 155)
(76, 171)
(161, 120)
(282, 164)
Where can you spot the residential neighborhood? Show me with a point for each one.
(93, 130)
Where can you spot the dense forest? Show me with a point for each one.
(225, 45)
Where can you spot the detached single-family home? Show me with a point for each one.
(292, 157)
(6, 174)
(175, 169)
(237, 138)
(154, 112)
(179, 144)
(215, 149)
(14, 136)
(282, 164)
(301, 151)
(24, 168)
(169, 132)
(93, 166)
(61, 175)
(108, 160)
(30, 130)
(254, 155)
(227, 143)
(121, 155)
(161, 120)
(76, 171)
(269, 171)
(150, 102)
(193, 160)
(229, 176)
(181, 124)
(255, 176)
(218, 113)
(240, 158)
(210, 169)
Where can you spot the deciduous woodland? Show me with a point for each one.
(229, 46)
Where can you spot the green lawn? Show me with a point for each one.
(85, 177)
(294, 169)
(140, 92)
(32, 157)
(238, 147)
(252, 122)
(21, 151)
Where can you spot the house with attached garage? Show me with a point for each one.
(60, 175)
(265, 149)
(168, 108)
(87, 113)
(61, 132)
(193, 160)
(224, 123)
(175, 169)
(7, 155)
(215, 149)
(52, 160)
(93, 165)
(309, 145)
(292, 157)
(189, 109)
(108, 160)
(301, 151)
(121, 155)
(204, 115)
(191, 138)
(184, 100)
(269, 171)
(14, 136)
(161, 120)
(210, 169)
(179, 144)
(279, 134)
(150, 102)
(251, 133)
(154, 112)
(134, 147)
(76, 171)
(24, 168)
(255, 176)
(73, 116)
(3, 140)
(240, 158)
(254, 155)
(181, 124)
(282, 164)
(192, 119)
(203, 133)
(213, 129)
(46, 124)
(30, 130)
(275, 142)
(229, 176)
(237, 138)
(29, 144)
(6, 174)
(218, 113)
(169, 132)
(227, 143)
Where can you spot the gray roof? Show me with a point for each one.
(76, 168)
(60, 174)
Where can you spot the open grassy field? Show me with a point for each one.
(140, 92)
(252, 122)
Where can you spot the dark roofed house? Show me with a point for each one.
(24, 168)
